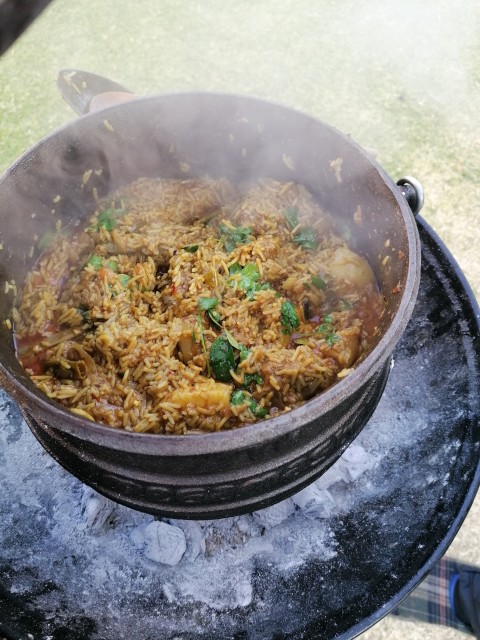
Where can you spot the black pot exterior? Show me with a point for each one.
(187, 135)
(203, 486)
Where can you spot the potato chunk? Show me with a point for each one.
(350, 269)
(206, 394)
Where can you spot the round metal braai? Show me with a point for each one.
(178, 136)
(78, 566)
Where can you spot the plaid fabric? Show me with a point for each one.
(432, 600)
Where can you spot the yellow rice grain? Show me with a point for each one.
(145, 341)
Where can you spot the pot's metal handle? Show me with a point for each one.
(85, 91)
(413, 193)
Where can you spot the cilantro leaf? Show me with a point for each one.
(249, 277)
(208, 305)
(307, 238)
(257, 410)
(291, 217)
(233, 236)
(215, 317)
(244, 352)
(234, 268)
(327, 330)
(289, 317)
(191, 248)
(124, 279)
(319, 282)
(111, 264)
(96, 262)
(249, 280)
(205, 304)
(239, 397)
(222, 359)
(109, 218)
(251, 378)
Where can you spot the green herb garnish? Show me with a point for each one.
(111, 264)
(291, 217)
(124, 279)
(215, 317)
(208, 305)
(318, 282)
(251, 378)
(233, 236)
(289, 317)
(307, 238)
(235, 344)
(85, 313)
(191, 248)
(249, 277)
(327, 330)
(96, 262)
(109, 218)
(234, 268)
(46, 239)
(244, 352)
(238, 398)
(222, 359)
(205, 304)
(257, 410)
(249, 280)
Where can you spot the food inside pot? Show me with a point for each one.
(189, 306)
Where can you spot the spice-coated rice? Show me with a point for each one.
(197, 305)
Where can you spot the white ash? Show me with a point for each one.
(75, 506)
(274, 515)
(119, 564)
(267, 574)
(160, 542)
(96, 510)
(168, 541)
(194, 536)
(315, 502)
(78, 517)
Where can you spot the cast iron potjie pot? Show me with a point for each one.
(193, 135)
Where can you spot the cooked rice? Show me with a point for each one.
(109, 322)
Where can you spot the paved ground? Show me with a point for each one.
(401, 80)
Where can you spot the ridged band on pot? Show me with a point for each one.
(245, 479)
(188, 135)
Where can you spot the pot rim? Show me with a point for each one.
(28, 395)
